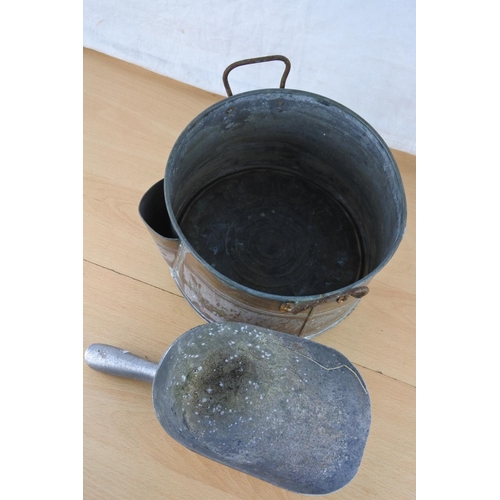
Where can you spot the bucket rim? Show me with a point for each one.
(265, 295)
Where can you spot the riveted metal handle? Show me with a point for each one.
(244, 62)
(295, 308)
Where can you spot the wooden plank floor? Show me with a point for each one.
(132, 117)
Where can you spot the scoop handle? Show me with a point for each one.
(114, 361)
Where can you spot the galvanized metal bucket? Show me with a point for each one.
(277, 209)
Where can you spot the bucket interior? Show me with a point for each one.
(286, 192)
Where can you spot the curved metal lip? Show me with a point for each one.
(263, 295)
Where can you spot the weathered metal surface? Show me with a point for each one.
(287, 410)
(305, 159)
(274, 232)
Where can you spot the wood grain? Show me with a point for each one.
(127, 453)
(132, 118)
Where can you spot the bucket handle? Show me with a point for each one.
(244, 62)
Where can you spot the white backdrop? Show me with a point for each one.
(360, 53)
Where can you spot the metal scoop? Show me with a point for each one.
(284, 409)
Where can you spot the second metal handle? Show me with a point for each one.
(254, 60)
